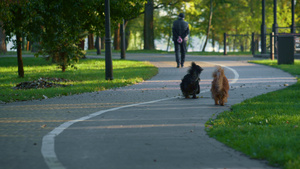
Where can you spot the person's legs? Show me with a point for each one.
(183, 51)
(177, 47)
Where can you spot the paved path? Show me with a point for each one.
(147, 125)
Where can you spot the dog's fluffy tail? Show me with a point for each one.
(219, 76)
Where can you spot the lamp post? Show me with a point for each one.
(275, 26)
(108, 60)
(263, 29)
(293, 30)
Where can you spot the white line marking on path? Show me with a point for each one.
(48, 147)
(236, 75)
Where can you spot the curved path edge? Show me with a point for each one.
(48, 141)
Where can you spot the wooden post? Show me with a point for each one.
(225, 49)
(272, 46)
(253, 44)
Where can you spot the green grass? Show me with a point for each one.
(264, 127)
(292, 69)
(24, 52)
(88, 77)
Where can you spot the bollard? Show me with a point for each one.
(252, 44)
(272, 54)
(225, 50)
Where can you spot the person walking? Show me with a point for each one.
(180, 32)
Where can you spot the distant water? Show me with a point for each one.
(195, 45)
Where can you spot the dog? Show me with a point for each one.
(190, 83)
(219, 86)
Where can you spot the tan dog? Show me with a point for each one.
(220, 86)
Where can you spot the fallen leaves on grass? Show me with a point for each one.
(41, 83)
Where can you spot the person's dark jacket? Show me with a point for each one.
(180, 28)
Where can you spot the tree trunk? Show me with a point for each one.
(148, 26)
(27, 46)
(63, 61)
(102, 39)
(91, 41)
(98, 45)
(19, 55)
(169, 39)
(117, 38)
(30, 45)
(81, 45)
(209, 25)
(122, 44)
(3, 48)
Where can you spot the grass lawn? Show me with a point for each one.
(88, 77)
(264, 127)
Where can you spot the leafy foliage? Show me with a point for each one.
(58, 26)
(61, 30)
(17, 17)
(230, 16)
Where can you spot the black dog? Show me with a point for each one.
(190, 83)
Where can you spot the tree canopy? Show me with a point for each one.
(230, 16)
(58, 26)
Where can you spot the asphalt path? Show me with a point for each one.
(148, 125)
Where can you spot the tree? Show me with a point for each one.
(297, 19)
(2, 40)
(209, 25)
(65, 20)
(134, 33)
(150, 6)
(61, 30)
(127, 10)
(148, 26)
(58, 25)
(17, 19)
(117, 39)
(91, 41)
(230, 16)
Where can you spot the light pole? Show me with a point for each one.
(263, 29)
(275, 26)
(108, 60)
(293, 30)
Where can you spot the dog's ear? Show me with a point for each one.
(193, 64)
